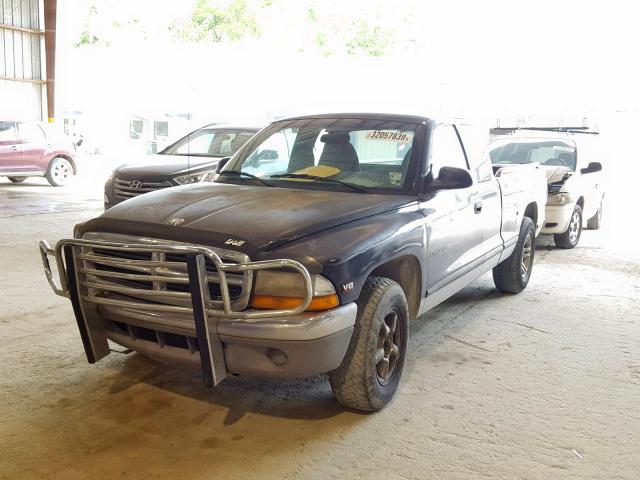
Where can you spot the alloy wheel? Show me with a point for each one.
(527, 257)
(61, 172)
(574, 228)
(388, 351)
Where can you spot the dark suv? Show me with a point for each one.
(191, 159)
(27, 151)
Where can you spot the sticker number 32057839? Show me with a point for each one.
(387, 135)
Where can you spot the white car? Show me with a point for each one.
(575, 184)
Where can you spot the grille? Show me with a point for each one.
(132, 188)
(129, 275)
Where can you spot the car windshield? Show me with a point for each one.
(548, 152)
(330, 153)
(208, 142)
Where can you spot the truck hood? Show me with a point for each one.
(264, 217)
(157, 166)
(555, 173)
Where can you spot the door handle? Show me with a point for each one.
(14, 147)
(477, 207)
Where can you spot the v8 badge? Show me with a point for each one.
(347, 286)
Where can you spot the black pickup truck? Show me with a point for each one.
(317, 243)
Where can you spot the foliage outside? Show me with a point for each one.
(327, 27)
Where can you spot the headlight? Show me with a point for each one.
(207, 176)
(559, 199)
(285, 290)
(76, 230)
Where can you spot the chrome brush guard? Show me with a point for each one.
(87, 286)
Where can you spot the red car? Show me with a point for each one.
(27, 151)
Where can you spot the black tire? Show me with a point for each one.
(59, 172)
(512, 275)
(17, 179)
(595, 222)
(571, 237)
(360, 381)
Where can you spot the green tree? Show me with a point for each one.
(215, 23)
(335, 32)
(372, 40)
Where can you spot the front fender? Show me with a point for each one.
(349, 253)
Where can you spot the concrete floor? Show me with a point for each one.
(545, 384)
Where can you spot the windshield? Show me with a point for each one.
(209, 142)
(330, 153)
(549, 152)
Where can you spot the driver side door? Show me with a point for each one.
(10, 151)
(452, 217)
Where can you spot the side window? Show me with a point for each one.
(7, 132)
(446, 150)
(30, 133)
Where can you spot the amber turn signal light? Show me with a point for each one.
(269, 302)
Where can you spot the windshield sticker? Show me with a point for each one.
(390, 136)
(395, 178)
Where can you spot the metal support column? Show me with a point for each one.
(50, 10)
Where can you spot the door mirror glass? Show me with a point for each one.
(221, 163)
(592, 167)
(451, 178)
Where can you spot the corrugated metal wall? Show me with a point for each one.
(22, 85)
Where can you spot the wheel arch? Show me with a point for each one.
(406, 271)
(531, 211)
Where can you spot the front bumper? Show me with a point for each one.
(221, 337)
(557, 218)
(297, 346)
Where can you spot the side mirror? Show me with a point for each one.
(592, 167)
(451, 178)
(221, 163)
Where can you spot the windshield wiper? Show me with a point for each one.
(239, 173)
(306, 176)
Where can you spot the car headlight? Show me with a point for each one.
(285, 290)
(559, 199)
(207, 176)
(76, 230)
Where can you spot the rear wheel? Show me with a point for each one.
(370, 373)
(570, 238)
(17, 179)
(512, 275)
(59, 172)
(595, 222)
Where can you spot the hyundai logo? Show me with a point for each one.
(135, 184)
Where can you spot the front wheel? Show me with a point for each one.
(59, 172)
(17, 179)
(512, 275)
(370, 373)
(571, 236)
